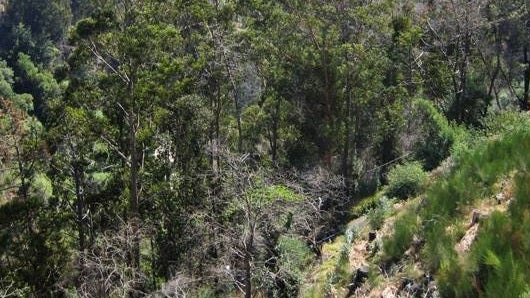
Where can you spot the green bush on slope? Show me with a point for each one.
(438, 135)
(405, 227)
(406, 180)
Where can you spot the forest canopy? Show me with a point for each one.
(211, 147)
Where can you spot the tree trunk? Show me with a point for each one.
(133, 186)
(24, 184)
(347, 141)
(80, 205)
(237, 106)
(248, 262)
(248, 275)
(275, 128)
(524, 103)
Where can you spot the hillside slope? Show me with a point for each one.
(466, 235)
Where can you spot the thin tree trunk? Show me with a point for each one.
(347, 141)
(237, 104)
(275, 128)
(133, 187)
(24, 185)
(526, 79)
(249, 243)
(80, 205)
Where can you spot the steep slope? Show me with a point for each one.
(465, 236)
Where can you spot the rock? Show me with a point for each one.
(465, 243)
(371, 236)
(427, 278)
(415, 247)
(500, 198)
(405, 283)
(372, 248)
(417, 242)
(475, 216)
(389, 292)
(361, 274)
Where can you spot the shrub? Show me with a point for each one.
(434, 138)
(504, 122)
(377, 216)
(436, 134)
(497, 263)
(405, 227)
(366, 205)
(406, 180)
(295, 256)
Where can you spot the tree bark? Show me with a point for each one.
(249, 243)
(524, 103)
(275, 128)
(80, 204)
(133, 183)
(347, 141)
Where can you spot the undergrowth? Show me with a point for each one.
(498, 263)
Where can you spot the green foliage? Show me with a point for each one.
(505, 122)
(173, 115)
(34, 28)
(495, 265)
(46, 19)
(7, 80)
(406, 180)
(101, 21)
(377, 216)
(42, 187)
(405, 226)
(437, 135)
(334, 272)
(471, 106)
(205, 292)
(294, 258)
(40, 83)
(499, 256)
(271, 193)
(367, 204)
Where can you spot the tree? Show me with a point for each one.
(33, 27)
(31, 225)
(453, 38)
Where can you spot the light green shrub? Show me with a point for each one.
(406, 180)
(365, 205)
(405, 227)
(436, 134)
(377, 216)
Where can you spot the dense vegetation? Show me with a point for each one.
(211, 148)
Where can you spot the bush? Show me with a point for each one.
(366, 205)
(377, 216)
(406, 180)
(505, 122)
(434, 138)
(497, 261)
(436, 134)
(405, 227)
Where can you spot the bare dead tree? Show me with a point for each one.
(244, 236)
(9, 289)
(455, 37)
(104, 269)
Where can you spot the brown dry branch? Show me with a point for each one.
(105, 269)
